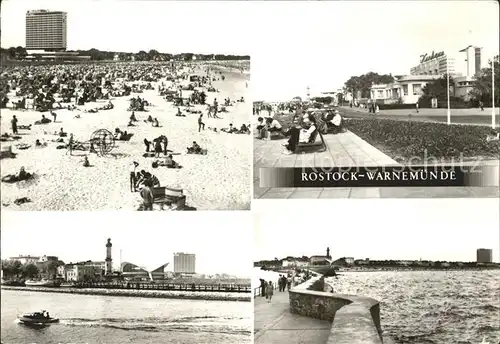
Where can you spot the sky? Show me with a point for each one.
(145, 239)
(293, 44)
(431, 229)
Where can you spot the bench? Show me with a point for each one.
(164, 194)
(314, 143)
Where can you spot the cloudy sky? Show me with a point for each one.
(219, 239)
(433, 229)
(293, 44)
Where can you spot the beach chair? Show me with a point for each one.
(316, 143)
(165, 194)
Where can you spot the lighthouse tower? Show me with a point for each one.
(328, 252)
(108, 257)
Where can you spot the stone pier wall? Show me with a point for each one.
(355, 319)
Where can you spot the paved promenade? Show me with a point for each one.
(274, 324)
(345, 149)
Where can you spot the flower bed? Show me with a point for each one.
(408, 141)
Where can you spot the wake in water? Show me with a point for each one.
(202, 324)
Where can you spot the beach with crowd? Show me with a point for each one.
(126, 135)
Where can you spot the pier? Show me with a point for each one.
(305, 316)
(193, 287)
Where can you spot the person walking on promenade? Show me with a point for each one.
(289, 282)
(280, 283)
(269, 291)
(481, 105)
(417, 107)
(262, 287)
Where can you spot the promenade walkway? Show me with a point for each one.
(345, 149)
(274, 324)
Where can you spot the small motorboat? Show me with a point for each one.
(37, 318)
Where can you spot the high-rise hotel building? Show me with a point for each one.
(184, 263)
(46, 30)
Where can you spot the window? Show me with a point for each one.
(380, 94)
(417, 89)
(405, 90)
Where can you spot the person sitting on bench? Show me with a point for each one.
(300, 135)
(334, 121)
(273, 126)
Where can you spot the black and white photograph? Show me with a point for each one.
(427, 276)
(110, 285)
(376, 84)
(123, 105)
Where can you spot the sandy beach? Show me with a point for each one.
(219, 180)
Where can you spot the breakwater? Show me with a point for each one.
(355, 319)
(164, 294)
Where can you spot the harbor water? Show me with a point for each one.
(431, 307)
(93, 319)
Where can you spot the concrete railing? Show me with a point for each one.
(355, 319)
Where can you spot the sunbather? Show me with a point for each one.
(195, 149)
(22, 175)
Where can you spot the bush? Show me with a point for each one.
(395, 106)
(405, 140)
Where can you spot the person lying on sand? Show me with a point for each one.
(40, 144)
(244, 129)
(22, 175)
(78, 116)
(150, 119)
(230, 130)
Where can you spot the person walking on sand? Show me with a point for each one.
(201, 125)
(147, 196)
(14, 124)
(70, 144)
(269, 291)
(133, 179)
(158, 148)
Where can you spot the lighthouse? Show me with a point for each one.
(328, 252)
(108, 257)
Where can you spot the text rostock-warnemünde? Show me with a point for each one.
(382, 176)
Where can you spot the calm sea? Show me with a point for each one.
(432, 307)
(109, 320)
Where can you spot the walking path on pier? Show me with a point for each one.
(274, 324)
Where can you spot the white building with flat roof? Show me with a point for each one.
(184, 263)
(46, 30)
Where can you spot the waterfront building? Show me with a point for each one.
(407, 89)
(484, 255)
(319, 260)
(26, 259)
(45, 259)
(46, 30)
(184, 263)
(434, 64)
(79, 272)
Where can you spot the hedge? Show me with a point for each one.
(406, 140)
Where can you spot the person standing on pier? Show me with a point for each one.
(262, 288)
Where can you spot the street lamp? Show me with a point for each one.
(493, 93)
(448, 113)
